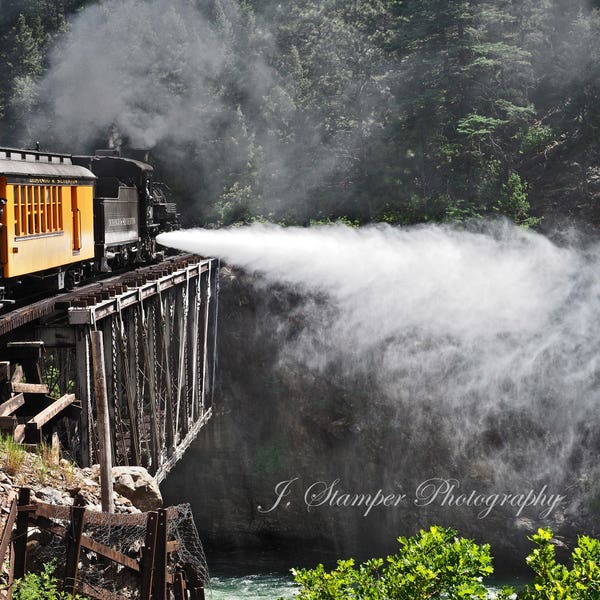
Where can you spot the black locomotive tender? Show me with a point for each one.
(130, 209)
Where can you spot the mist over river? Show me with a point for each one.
(379, 380)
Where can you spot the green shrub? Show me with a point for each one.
(513, 202)
(438, 565)
(42, 586)
(460, 211)
(554, 581)
(535, 139)
(434, 564)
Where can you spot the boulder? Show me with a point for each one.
(49, 495)
(136, 484)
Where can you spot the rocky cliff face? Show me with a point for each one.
(302, 458)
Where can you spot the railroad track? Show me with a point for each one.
(93, 293)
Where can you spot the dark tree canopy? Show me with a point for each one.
(368, 110)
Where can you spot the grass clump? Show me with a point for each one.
(13, 455)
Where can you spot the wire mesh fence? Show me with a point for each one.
(145, 556)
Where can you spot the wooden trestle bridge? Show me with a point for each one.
(158, 325)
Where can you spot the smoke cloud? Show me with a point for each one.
(202, 85)
(482, 343)
(147, 68)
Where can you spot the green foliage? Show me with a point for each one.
(513, 202)
(436, 564)
(461, 211)
(433, 564)
(342, 220)
(554, 581)
(474, 125)
(234, 204)
(535, 139)
(42, 586)
(404, 112)
(55, 376)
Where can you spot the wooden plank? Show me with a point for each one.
(84, 392)
(11, 573)
(19, 433)
(29, 344)
(159, 583)
(103, 422)
(179, 586)
(17, 375)
(147, 561)
(114, 555)
(109, 553)
(9, 407)
(98, 593)
(197, 593)
(20, 543)
(52, 511)
(74, 548)
(8, 527)
(51, 411)
(62, 513)
(30, 430)
(29, 388)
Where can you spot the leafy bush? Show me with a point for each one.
(42, 586)
(554, 581)
(513, 202)
(461, 211)
(436, 565)
(535, 139)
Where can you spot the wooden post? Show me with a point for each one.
(7, 533)
(197, 593)
(11, 573)
(179, 586)
(147, 560)
(195, 585)
(74, 546)
(101, 396)
(159, 587)
(20, 544)
(83, 392)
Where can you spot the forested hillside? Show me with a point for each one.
(372, 110)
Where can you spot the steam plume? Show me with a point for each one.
(485, 340)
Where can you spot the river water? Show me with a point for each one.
(251, 587)
(259, 586)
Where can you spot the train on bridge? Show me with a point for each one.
(66, 218)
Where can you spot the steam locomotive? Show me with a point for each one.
(65, 218)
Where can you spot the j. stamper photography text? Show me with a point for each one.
(437, 491)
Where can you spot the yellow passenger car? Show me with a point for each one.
(48, 213)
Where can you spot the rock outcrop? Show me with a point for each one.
(137, 485)
(135, 490)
